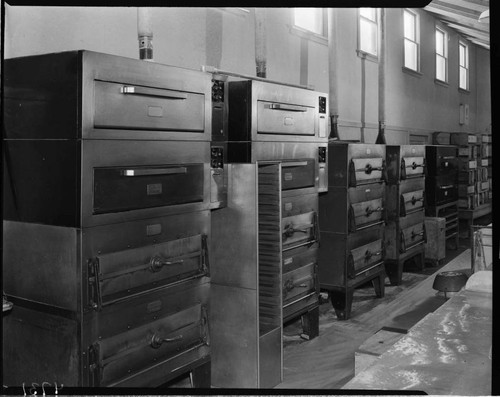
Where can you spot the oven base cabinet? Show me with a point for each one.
(352, 219)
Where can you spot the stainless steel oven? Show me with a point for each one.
(112, 177)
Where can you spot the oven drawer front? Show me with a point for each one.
(298, 257)
(441, 190)
(130, 188)
(412, 236)
(298, 174)
(123, 274)
(366, 214)
(136, 107)
(298, 283)
(300, 230)
(298, 204)
(411, 202)
(412, 167)
(285, 118)
(366, 170)
(441, 160)
(364, 257)
(124, 354)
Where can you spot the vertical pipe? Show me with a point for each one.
(381, 79)
(260, 42)
(145, 33)
(333, 73)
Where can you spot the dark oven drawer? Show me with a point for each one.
(123, 274)
(412, 236)
(131, 180)
(366, 206)
(298, 174)
(366, 170)
(412, 167)
(441, 160)
(298, 283)
(129, 188)
(410, 202)
(124, 355)
(137, 107)
(363, 258)
(441, 190)
(300, 230)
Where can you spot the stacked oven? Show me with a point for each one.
(352, 216)
(405, 203)
(265, 242)
(108, 189)
(441, 187)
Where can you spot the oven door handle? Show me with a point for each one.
(294, 164)
(153, 171)
(446, 187)
(144, 91)
(290, 108)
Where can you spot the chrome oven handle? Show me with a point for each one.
(290, 108)
(157, 341)
(157, 262)
(145, 91)
(153, 171)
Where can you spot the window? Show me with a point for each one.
(463, 54)
(310, 19)
(411, 40)
(368, 30)
(441, 55)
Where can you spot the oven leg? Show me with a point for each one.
(394, 270)
(342, 302)
(379, 285)
(201, 376)
(310, 323)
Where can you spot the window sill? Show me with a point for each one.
(308, 35)
(462, 91)
(441, 83)
(367, 56)
(412, 72)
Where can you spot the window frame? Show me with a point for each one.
(445, 56)
(462, 43)
(416, 42)
(363, 53)
(309, 34)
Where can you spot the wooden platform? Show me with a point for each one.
(448, 352)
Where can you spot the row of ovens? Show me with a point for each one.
(116, 244)
(160, 221)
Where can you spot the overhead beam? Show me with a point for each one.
(444, 7)
(471, 32)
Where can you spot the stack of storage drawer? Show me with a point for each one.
(107, 225)
(441, 187)
(352, 218)
(405, 229)
(473, 176)
(486, 161)
(265, 243)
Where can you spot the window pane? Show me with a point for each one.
(368, 36)
(463, 78)
(462, 55)
(409, 25)
(439, 42)
(410, 55)
(310, 19)
(440, 68)
(370, 13)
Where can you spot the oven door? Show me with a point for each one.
(131, 99)
(128, 180)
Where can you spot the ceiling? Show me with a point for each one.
(463, 17)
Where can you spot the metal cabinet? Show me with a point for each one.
(276, 167)
(106, 236)
(352, 219)
(405, 197)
